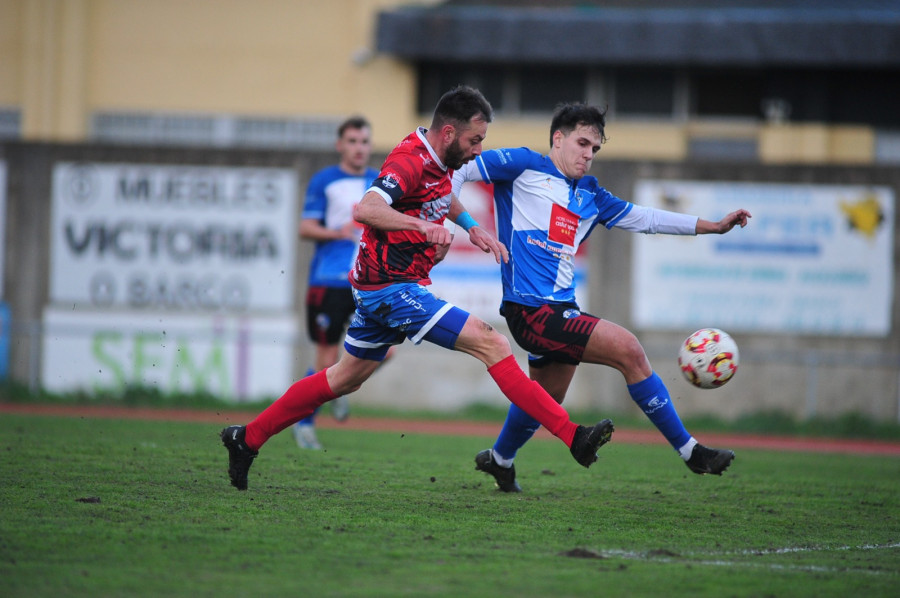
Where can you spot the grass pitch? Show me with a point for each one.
(130, 508)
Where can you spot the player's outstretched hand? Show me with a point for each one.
(736, 218)
(488, 243)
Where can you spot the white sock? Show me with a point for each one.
(688, 448)
(507, 463)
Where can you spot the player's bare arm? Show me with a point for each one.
(456, 208)
(312, 230)
(478, 236)
(736, 218)
(373, 211)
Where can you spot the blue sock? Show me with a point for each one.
(309, 420)
(518, 428)
(653, 398)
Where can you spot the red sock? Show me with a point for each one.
(301, 399)
(532, 399)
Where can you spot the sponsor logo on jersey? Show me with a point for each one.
(434, 210)
(583, 194)
(563, 225)
(390, 180)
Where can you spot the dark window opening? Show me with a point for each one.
(733, 94)
(545, 87)
(645, 92)
(829, 96)
(434, 80)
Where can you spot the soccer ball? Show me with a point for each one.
(708, 358)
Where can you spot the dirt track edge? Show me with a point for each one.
(454, 427)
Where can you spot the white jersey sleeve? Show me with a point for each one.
(468, 172)
(643, 219)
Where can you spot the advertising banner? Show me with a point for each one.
(168, 237)
(5, 338)
(230, 356)
(815, 259)
(2, 220)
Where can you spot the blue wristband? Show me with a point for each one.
(466, 221)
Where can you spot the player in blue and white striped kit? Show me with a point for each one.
(327, 219)
(546, 207)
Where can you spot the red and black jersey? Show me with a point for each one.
(415, 182)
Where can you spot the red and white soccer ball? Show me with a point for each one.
(708, 358)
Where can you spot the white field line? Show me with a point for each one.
(719, 562)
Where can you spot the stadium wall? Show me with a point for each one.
(803, 374)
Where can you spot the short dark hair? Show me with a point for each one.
(569, 115)
(459, 106)
(354, 122)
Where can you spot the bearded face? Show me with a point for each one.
(466, 143)
(456, 156)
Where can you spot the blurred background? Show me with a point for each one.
(154, 157)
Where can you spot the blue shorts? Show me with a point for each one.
(404, 310)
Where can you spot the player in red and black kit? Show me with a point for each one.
(389, 256)
(403, 214)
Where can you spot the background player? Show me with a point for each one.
(327, 219)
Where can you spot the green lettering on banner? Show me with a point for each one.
(107, 362)
(213, 367)
(141, 361)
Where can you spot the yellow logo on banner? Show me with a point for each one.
(864, 215)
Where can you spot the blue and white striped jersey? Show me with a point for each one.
(330, 198)
(543, 216)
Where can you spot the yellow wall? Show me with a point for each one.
(653, 141)
(63, 60)
(10, 52)
(816, 144)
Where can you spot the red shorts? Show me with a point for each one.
(553, 332)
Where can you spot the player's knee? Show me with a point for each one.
(482, 341)
(344, 386)
(344, 379)
(499, 343)
(494, 346)
(633, 357)
(351, 388)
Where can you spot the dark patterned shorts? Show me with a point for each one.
(554, 332)
(328, 311)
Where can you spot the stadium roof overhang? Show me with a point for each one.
(861, 34)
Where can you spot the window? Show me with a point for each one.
(801, 95)
(514, 90)
(10, 123)
(864, 96)
(728, 93)
(645, 92)
(436, 79)
(542, 88)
